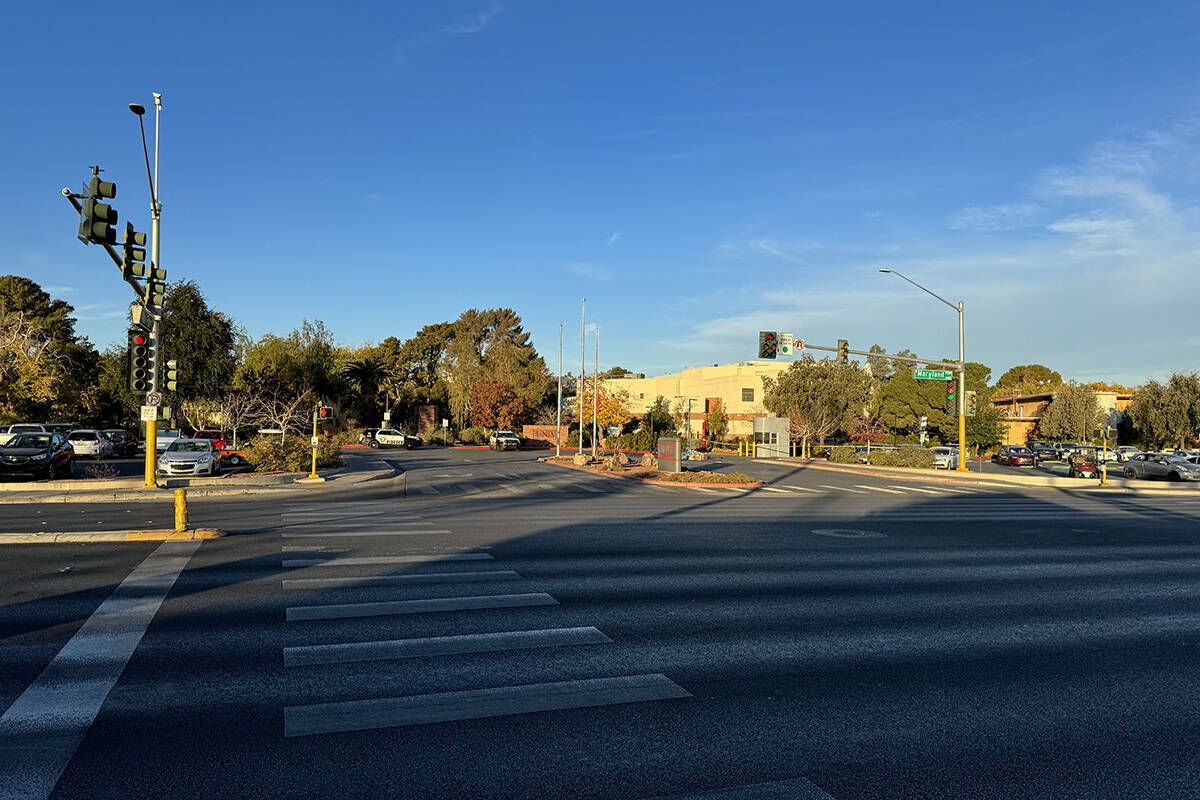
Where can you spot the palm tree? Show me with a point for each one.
(366, 374)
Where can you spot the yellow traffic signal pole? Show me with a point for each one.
(155, 215)
(313, 474)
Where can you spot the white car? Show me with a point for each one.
(390, 437)
(7, 432)
(188, 457)
(1125, 452)
(165, 438)
(945, 457)
(91, 443)
(504, 440)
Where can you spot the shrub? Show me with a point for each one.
(347, 437)
(268, 454)
(843, 454)
(645, 441)
(437, 436)
(650, 460)
(616, 461)
(473, 435)
(884, 458)
(916, 457)
(706, 477)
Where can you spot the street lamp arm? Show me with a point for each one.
(922, 288)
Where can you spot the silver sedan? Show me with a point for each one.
(1161, 465)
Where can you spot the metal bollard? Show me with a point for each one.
(181, 519)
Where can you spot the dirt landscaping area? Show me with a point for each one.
(634, 471)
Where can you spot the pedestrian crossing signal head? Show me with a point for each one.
(324, 413)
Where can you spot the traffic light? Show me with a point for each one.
(171, 378)
(134, 253)
(97, 219)
(950, 397)
(152, 356)
(139, 360)
(156, 288)
(323, 413)
(843, 352)
(971, 404)
(768, 344)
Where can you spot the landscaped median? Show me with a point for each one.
(701, 479)
(164, 535)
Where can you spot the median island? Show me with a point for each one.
(618, 465)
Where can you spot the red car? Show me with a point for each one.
(1014, 455)
(216, 437)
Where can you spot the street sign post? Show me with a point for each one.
(933, 374)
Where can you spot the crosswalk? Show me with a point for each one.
(463, 588)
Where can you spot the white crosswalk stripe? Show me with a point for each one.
(842, 489)
(800, 488)
(914, 489)
(877, 488)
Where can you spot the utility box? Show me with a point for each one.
(670, 452)
(771, 437)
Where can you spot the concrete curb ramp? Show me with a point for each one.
(111, 536)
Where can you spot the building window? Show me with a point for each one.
(642, 396)
(747, 395)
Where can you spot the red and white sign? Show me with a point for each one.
(799, 345)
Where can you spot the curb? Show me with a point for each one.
(734, 487)
(111, 536)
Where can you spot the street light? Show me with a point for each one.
(962, 370)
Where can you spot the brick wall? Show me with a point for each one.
(542, 435)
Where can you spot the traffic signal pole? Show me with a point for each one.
(155, 215)
(962, 396)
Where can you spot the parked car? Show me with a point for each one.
(1125, 451)
(89, 442)
(1066, 448)
(945, 457)
(1082, 463)
(64, 428)
(123, 444)
(164, 438)
(37, 455)
(189, 457)
(1044, 451)
(503, 440)
(367, 436)
(390, 437)
(1161, 465)
(1015, 455)
(213, 435)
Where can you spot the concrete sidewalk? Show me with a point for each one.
(1116, 483)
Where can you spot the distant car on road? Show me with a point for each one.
(945, 457)
(390, 437)
(89, 442)
(164, 438)
(213, 435)
(503, 440)
(37, 455)
(189, 457)
(1066, 448)
(23, 427)
(1015, 455)
(1162, 465)
(1044, 451)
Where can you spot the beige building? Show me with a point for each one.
(737, 388)
(1022, 412)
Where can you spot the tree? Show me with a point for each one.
(1028, 379)
(902, 402)
(200, 340)
(237, 411)
(613, 406)
(1182, 408)
(616, 372)
(821, 397)
(1148, 413)
(283, 410)
(305, 360)
(368, 375)
(658, 416)
(716, 420)
(492, 344)
(1073, 414)
(495, 405)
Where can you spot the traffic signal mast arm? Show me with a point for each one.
(108, 248)
(910, 359)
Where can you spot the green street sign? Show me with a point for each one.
(932, 374)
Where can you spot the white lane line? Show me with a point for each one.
(456, 475)
(348, 610)
(588, 488)
(800, 488)
(390, 712)
(550, 487)
(289, 563)
(340, 534)
(956, 491)
(312, 548)
(41, 730)
(914, 489)
(706, 491)
(400, 580)
(877, 488)
(793, 789)
(841, 489)
(440, 646)
(773, 489)
(391, 519)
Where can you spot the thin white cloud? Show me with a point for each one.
(474, 23)
(992, 219)
(589, 270)
(613, 238)
(59, 289)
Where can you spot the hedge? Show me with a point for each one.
(268, 454)
(843, 454)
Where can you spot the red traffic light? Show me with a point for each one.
(139, 338)
(323, 412)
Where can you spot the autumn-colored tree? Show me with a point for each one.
(495, 405)
(613, 405)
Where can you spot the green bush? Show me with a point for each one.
(268, 454)
(843, 454)
(347, 437)
(473, 435)
(884, 458)
(437, 436)
(573, 437)
(644, 441)
(916, 457)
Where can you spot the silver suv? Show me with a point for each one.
(503, 440)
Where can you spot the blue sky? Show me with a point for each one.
(698, 171)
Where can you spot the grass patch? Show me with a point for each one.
(705, 477)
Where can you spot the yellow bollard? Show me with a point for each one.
(181, 520)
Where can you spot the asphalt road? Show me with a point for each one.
(488, 626)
